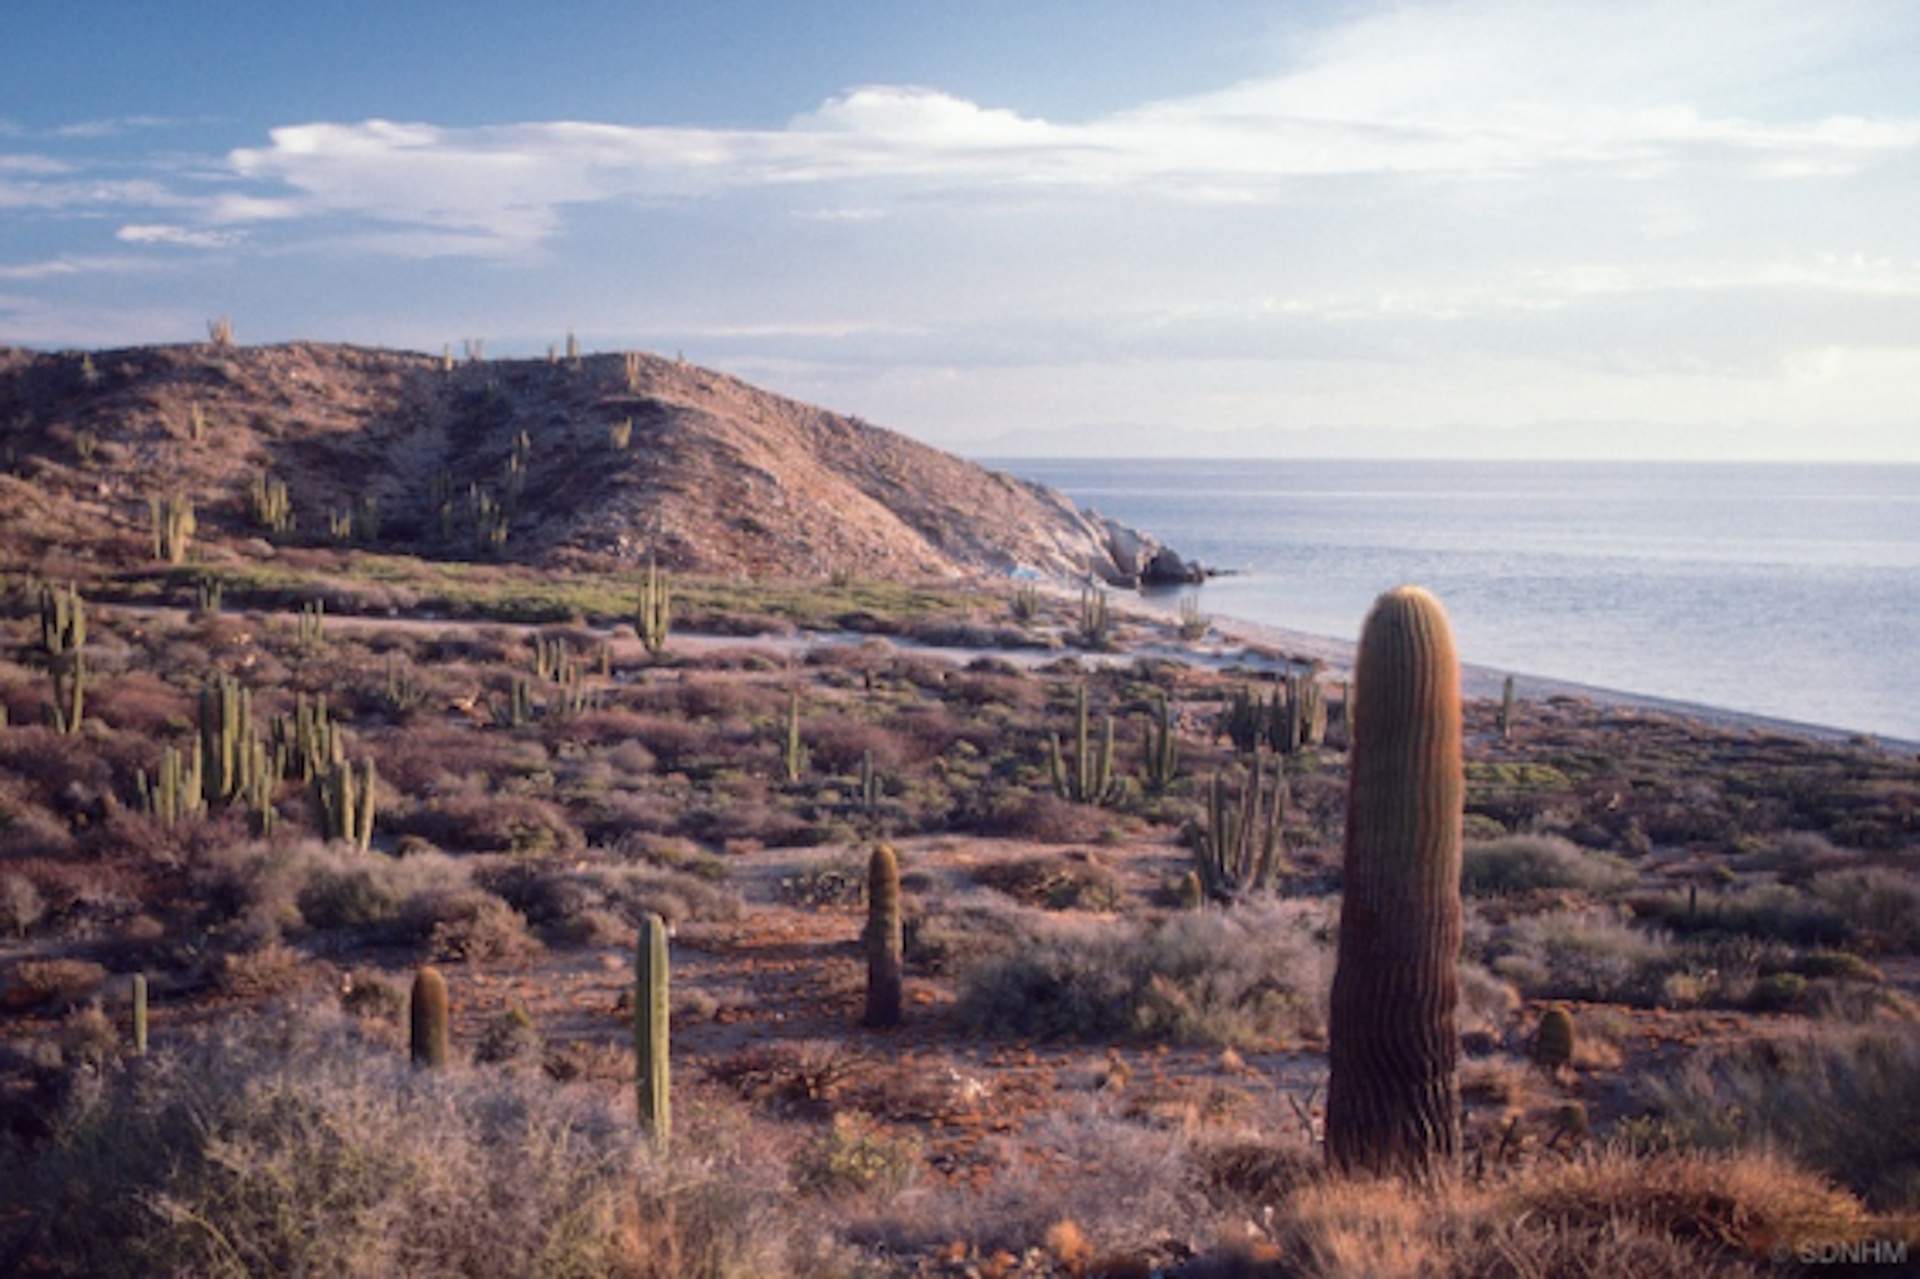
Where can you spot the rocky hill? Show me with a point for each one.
(595, 461)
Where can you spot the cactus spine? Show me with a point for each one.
(652, 618)
(883, 938)
(427, 1037)
(1163, 748)
(139, 1014)
(650, 1001)
(1393, 1094)
(1090, 780)
(63, 637)
(346, 807)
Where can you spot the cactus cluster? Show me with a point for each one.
(651, 995)
(346, 805)
(489, 519)
(311, 627)
(1241, 849)
(1162, 748)
(401, 692)
(883, 938)
(207, 592)
(306, 743)
(1096, 621)
(1089, 779)
(1293, 719)
(1393, 1091)
(63, 640)
(177, 791)
(1025, 604)
(632, 367)
(172, 524)
(651, 618)
(1194, 624)
(517, 709)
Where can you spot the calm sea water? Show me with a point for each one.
(1787, 590)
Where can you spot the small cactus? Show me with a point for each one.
(883, 938)
(652, 618)
(427, 1036)
(793, 754)
(1506, 710)
(653, 1083)
(1553, 1042)
(346, 806)
(1096, 622)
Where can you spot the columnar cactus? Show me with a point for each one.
(1393, 1094)
(793, 755)
(1163, 748)
(650, 1002)
(63, 638)
(1096, 623)
(312, 632)
(139, 1014)
(883, 938)
(1090, 778)
(226, 740)
(346, 807)
(1240, 850)
(306, 745)
(173, 526)
(177, 791)
(1506, 710)
(652, 617)
(869, 784)
(427, 1036)
(270, 503)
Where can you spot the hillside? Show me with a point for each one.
(715, 475)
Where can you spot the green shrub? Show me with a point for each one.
(1518, 863)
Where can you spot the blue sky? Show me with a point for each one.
(1513, 229)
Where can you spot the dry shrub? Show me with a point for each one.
(1521, 863)
(140, 702)
(675, 742)
(49, 763)
(1042, 817)
(1845, 1102)
(837, 743)
(469, 821)
(32, 982)
(1067, 882)
(569, 903)
(1217, 977)
(299, 1145)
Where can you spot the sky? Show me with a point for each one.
(1543, 229)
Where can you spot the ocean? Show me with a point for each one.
(1785, 590)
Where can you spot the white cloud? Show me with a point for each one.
(54, 268)
(180, 236)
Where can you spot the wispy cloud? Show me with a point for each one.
(65, 265)
(177, 236)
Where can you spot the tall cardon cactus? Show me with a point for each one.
(1393, 1094)
(653, 1081)
(883, 938)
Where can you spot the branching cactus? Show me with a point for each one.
(1163, 748)
(63, 638)
(427, 1019)
(1089, 778)
(346, 805)
(1393, 1093)
(883, 938)
(227, 743)
(652, 618)
(1240, 851)
(650, 1003)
